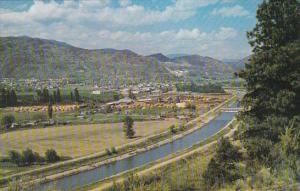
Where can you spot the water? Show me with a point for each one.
(105, 171)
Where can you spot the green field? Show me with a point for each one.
(78, 140)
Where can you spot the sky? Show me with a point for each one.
(215, 28)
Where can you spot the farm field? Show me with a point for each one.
(78, 140)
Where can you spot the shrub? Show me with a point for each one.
(51, 156)
(114, 150)
(182, 127)
(173, 129)
(222, 168)
(191, 106)
(8, 120)
(38, 158)
(28, 156)
(39, 117)
(108, 152)
(108, 109)
(15, 157)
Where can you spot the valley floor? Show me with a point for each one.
(78, 140)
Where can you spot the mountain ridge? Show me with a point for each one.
(27, 57)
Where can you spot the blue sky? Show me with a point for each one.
(215, 28)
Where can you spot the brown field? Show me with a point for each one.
(77, 140)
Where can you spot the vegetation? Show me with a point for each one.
(77, 96)
(222, 168)
(18, 185)
(269, 131)
(207, 88)
(273, 88)
(112, 151)
(101, 136)
(51, 156)
(7, 120)
(8, 98)
(50, 110)
(28, 157)
(128, 127)
(173, 129)
(131, 95)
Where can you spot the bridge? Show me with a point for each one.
(236, 109)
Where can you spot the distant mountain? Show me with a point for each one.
(175, 55)
(160, 57)
(246, 59)
(25, 57)
(200, 67)
(197, 60)
(237, 64)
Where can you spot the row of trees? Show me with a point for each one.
(8, 98)
(207, 88)
(44, 96)
(28, 157)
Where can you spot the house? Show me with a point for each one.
(121, 101)
(181, 105)
(183, 118)
(96, 92)
(15, 125)
(147, 100)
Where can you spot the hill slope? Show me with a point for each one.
(160, 57)
(201, 68)
(25, 57)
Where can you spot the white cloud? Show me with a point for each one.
(226, 33)
(192, 41)
(96, 24)
(236, 11)
(101, 12)
(227, 1)
(125, 3)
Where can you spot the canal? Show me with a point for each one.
(92, 176)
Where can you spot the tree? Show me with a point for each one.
(58, 96)
(77, 96)
(8, 120)
(28, 156)
(272, 76)
(50, 110)
(13, 100)
(71, 96)
(45, 95)
(3, 98)
(173, 129)
(15, 157)
(54, 97)
(51, 156)
(226, 151)
(221, 168)
(108, 109)
(128, 127)
(131, 94)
